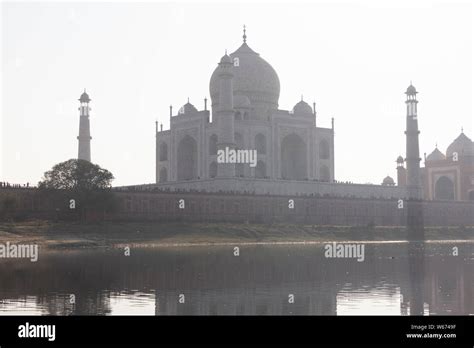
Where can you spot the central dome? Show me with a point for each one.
(254, 78)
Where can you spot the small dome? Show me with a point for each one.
(436, 155)
(241, 101)
(400, 159)
(302, 108)
(388, 181)
(187, 108)
(84, 97)
(411, 90)
(462, 145)
(226, 59)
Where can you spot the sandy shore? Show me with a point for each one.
(62, 235)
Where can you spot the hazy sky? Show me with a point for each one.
(354, 58)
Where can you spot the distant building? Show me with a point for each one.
(447, 176)
(451, 175)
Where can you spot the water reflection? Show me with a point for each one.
(405, 278)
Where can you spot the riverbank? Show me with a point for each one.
(61, 235)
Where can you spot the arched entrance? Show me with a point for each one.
(187, 159)
(444, 188)
(293, 158)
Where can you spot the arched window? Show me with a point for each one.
(246, 115)
(163, 152)
(324, 149)
(238, 116)
(260, 170)
(163, 175)
(213, 145)
(260, 144)
(213, 170)
(324, 174)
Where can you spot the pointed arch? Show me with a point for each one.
(187, 158)
(293, 158)
(444, 188)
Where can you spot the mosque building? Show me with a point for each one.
(446, 176)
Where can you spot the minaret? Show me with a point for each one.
(412, 150)
(225, 115)
(84, 137)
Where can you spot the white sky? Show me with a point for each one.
(355, 58)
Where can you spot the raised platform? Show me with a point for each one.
(278, 188)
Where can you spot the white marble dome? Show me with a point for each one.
(254, 78)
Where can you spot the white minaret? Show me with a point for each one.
(84, 137)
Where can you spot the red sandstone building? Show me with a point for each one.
(447, 176)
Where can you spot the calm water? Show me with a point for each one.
(394, 279)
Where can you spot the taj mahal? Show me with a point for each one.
(244, 114)
(294, 154)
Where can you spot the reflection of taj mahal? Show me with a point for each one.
(244, 91)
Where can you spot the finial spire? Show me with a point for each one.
(245, 34)
(301, 97)
(188, 99)
(462, 129)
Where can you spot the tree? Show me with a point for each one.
(86, 183)
(77, 175)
